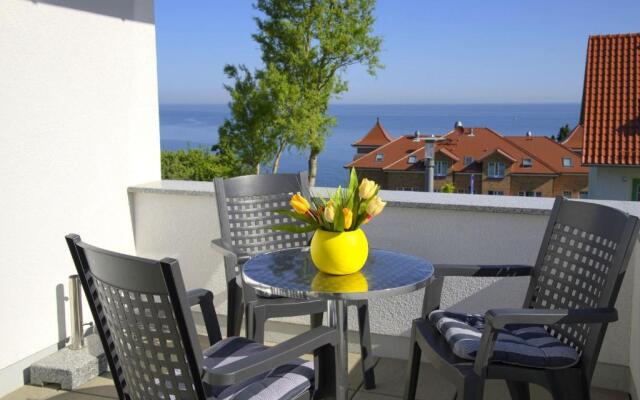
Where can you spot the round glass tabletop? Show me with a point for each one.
(291, 273)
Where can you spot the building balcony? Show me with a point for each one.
(178, 219)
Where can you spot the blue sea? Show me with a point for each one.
(183, 126)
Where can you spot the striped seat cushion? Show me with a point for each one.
(523, 345)
(285, 382)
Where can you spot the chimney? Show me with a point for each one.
(416, 136)
(529, 135)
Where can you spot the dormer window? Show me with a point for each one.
(467, 160)
(567, 162)
(411, 160)
(379, 156)
(527, 163)
(496, 169)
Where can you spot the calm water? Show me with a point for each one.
(182, 126)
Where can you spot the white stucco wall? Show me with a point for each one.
(178, 219)
(612, 183)
(78, 124)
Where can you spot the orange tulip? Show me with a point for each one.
(348, 217)
(299, 204)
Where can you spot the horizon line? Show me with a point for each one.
(160, 103)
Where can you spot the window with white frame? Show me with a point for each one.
(567, 162)
(441, 168)
(379, 156)
(567, 194)
(411, 160)
(467, 160)
(496, 169)
(527, 163)
(496, 192)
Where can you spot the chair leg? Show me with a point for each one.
(234, 309)
(366, 355)
(259, 321)
(471, 389)
(249, 322)
(316, 320)
(413, 370)
(518, 390)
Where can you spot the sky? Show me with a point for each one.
(442, 52)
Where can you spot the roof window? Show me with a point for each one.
(379, 156)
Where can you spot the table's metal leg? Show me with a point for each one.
(338, 319)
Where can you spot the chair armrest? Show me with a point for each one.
(270, 358)
(498, 318)
(204, 298)
(442, 270)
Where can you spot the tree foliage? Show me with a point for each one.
(448, 188)
(197, 164)
(563, 133)
(306, 46)
(248, 133)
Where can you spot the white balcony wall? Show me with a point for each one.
(179, 219)
(78, 125)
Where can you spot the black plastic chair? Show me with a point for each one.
(246, 206)
(572, 293)
(143, 317)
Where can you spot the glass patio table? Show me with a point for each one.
(291, 273)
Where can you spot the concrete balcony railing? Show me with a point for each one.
(178, 219)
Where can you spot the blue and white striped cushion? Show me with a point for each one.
(523, 345)
(285, 382)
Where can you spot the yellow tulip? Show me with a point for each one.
(375, 206)
(367, 189)
(299, 204)
(329, 212)
(348, 217)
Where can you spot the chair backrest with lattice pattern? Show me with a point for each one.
(246, 210)
(581, 264)
(144, 322)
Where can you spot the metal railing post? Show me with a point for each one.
(76, 342)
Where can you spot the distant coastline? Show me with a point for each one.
(195, 125)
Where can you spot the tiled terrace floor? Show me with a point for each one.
(390, 375)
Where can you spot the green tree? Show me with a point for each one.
(248, 133)
(306, 46)
(563, 133)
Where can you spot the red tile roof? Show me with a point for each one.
(574, 140)
(549, 152)
(477, 143)
(377, 136)
(611, 100)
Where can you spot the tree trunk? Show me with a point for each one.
(258, 169)
(313, 165)
(276, 161)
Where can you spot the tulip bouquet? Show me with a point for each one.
(345, 210)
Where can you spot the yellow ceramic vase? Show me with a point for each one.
(339, 253)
